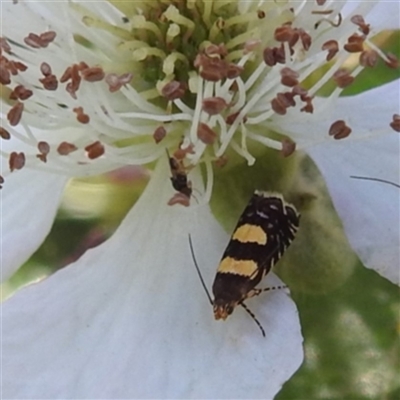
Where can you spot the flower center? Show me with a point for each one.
(202, 79)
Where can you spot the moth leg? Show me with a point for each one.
(256, 292)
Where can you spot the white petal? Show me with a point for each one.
(385, 15)
(131, 320)
(367, 114)
(369, 210)
(29, 202)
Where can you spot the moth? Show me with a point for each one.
(265, 229)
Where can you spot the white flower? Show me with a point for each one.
(93, 84)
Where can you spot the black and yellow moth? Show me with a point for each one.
(265, 229)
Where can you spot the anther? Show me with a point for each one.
(80, 115)
(16, 161)
(289, 77)
(4, 134)
(93, 74)
(174, 90)
(66, 148)
(395, 124)
(213, 105)
(368, 58)
(355, 44)
(206, 134)
(44, 150)
(4, 45)
(230, 119)
(339, 130)
(333, 47)
(4, 75)
(94, 150)
(45, 69)
(342, 78)
(159, 134)
(15, 113)
(20, 93)
(49, 82)
(288, 147)
(392, 61)
(115, 82)
(1, 182)
(179, 198)
(359, 21)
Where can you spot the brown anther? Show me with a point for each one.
(47, 37)
(45, 69)
(230, 119)
(288, 147)
(206, 134)
(16, 161)
(392, 61)
(213, 105)
(115, 82)
(4, 134)
(333, 47)
(321, 2)
(82, 66)
(278, 107)
(339, 130)
(65, 148)
(4, 45)
(212, 69)
(286, 99)
(355, 44)
(180, 153)
(343, 78)
(269, 56)
(359, 21)
(49, 82)
(80, 115)
(221, 161)
(260, 14)
(233, 71)
(66, 75)
(309, 107)
(395, 124)
(15, 113)
(19, 66)
(1, 182)
(368, 58)
(159, 134)
(44, 149)
(289, 77)
(33, 40)
(12, 68)
(179, 198)
(174, 90)
(73, 86)
(286, 33)
(93, 74)
(4, 75)
(94, 150)
(20, 92)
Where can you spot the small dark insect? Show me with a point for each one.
(265, 229)
(179, 178)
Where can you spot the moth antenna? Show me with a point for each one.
(198, 270)
(254, 318)
(376, 180)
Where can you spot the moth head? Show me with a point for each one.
(223, 308)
